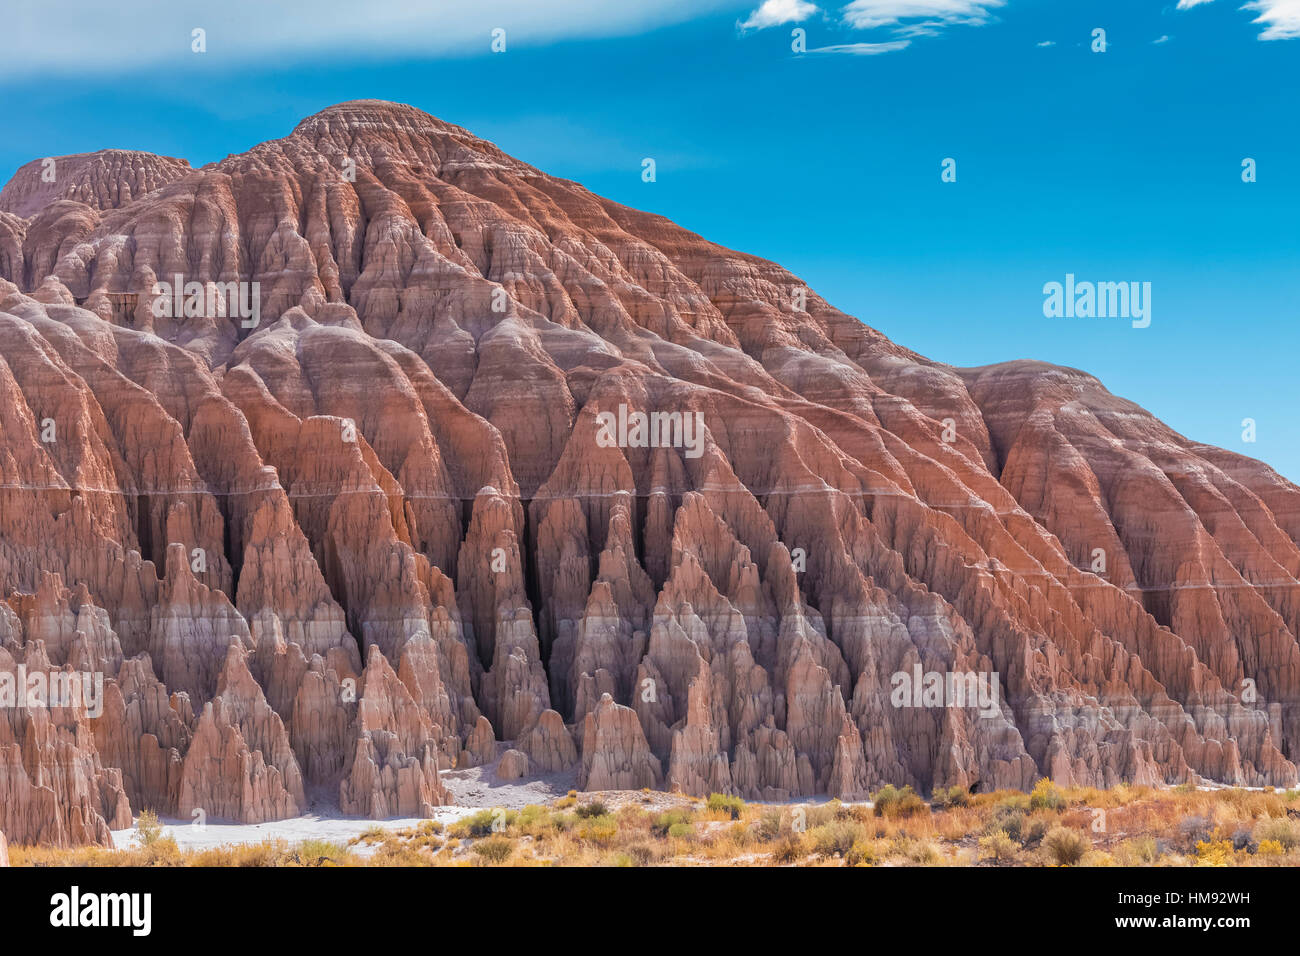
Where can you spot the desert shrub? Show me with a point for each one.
(946, 799)
(668, 819)
(816, 814)
(633, 819)
(789, 849)
(768, 827)
(1045, 796)
(1280, 830)
(478, 826)
(1012, 801)
(602, 831)
(738, 837)
(681, 831)
(148, 830)
(1270, 848)
(856, 812)
(534, 819)
(923, 853)
(1064, 846)
(562, 822)
(266, 853)
(862, 853)
(163, 851)
(1033, 830)
(397, 853)
(894, 803)
(642, 854)
(998, 846)
(533, 813)
(721, 803)
(594, 808)
(1193, 830)
(1006, 819)
(493, 849)
(835, 838)
(912, 850)
(1214, 853)
(321, 853)
(1242, 838)
(1143, 850)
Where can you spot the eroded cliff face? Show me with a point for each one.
(405, 513)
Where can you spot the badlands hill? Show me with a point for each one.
(385, 527)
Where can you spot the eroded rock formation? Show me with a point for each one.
(407, 510)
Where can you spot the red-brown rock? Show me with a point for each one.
(406, 462)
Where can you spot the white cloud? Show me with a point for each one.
(1047, 43)
(867, 14)
(865, 49)
(89, 36)
(926, 28)
(1282, 17)
(1162, 39)
(773, 13)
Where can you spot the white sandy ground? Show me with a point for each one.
(471, 790)
(311, 826)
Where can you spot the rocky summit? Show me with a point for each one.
(373, 452)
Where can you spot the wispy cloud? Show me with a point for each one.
(1047, 43)
(865, 49)
(933, 14)
(773, 13)
(1281, 18)
(1160, 40)
(89, 36)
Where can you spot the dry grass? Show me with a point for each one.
(165, 852)
(1051, 826)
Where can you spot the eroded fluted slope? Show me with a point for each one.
(381, 529)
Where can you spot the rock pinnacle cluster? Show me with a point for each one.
(383, 531)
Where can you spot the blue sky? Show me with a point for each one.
(1115, 166)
